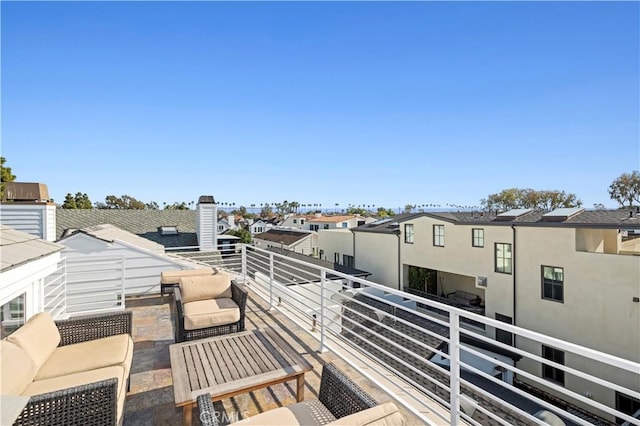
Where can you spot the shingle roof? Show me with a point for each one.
(285, 236)
(143, 223)
(18, 248)
(108, 232)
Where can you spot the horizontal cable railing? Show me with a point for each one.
(478, 379)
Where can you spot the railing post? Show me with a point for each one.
(323, 278)
(270, 281)
(243, 254)
(454, 367)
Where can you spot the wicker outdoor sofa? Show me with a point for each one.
(75, 371)
(207, 306)
(340, 402)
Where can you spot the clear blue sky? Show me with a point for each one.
(384, 103)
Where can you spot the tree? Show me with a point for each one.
(408, 208)
(266, 211)
(626, 189)
(152, 205)
(124, 202)
(245, 236)
(79, 201)
(177, 206)
(5, 176)
(516, 198)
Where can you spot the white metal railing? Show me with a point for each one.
(458, 366)
(55, 291)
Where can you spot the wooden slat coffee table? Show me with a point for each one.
(229, 365)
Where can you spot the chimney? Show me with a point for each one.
(207, 223)
(231, 219)
(26, 207)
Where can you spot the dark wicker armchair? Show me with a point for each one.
(339, 394)
(239, 296)
(90, 404)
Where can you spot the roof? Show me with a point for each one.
(304, 273)
(389, 225)
(621, 218)
(332, 219)
(143, 223)
(285, 236)
(110, 233)
(18, 248)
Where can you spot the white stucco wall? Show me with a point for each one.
(335, 241)
(378, 253)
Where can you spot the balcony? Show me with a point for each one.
(436, 369)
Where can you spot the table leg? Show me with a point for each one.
(187, 411)
(300, 388)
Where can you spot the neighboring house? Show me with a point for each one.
(259, 226)
(303, 242)
(565, 273)
(319, 223)
(27, 262)
(298, 221)
(110, 248)
(227, 224)
(336, 245)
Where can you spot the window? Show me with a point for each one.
(348, 260)
(438, 235)
(627, 405)
(12, 315)
(502, 335)
(313, 227)
(549, 372)
(503, 258)
(295, 221)
(552, 283)
(408, 233)
(336, 257)
(344, 225)
(477, 237)
(259, 229)
(325, 226)
(220, 228)
(301, 221)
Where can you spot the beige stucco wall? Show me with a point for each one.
(459, 257)
(378, 254)
(335, 241)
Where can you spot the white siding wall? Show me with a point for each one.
(207, 226)
(35, 219)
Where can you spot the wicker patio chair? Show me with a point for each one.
(239, 296)
(339, 394)
(89, 404)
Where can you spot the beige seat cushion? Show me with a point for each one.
(91, 355)
(77, 379)
(173, 277)
(209, 313)
(17, 369)
(39, 337)
(203, 287)
(381, 415)
(307, 413)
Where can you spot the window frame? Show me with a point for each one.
(474, 238)
(409, 237)
(549, 372)
(503, 258)
(438, 238)
(553, 284)
(336, 257)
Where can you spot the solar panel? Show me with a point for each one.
(512, 214)
(562, 213)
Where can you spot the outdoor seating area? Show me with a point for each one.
(74, 371)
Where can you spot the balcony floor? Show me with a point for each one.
(150, 401)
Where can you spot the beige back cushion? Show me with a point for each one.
(202, 287)
(173, 276)
(381, 415)
(39, 337)
(17, 369)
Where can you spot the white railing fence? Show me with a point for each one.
(55, 291)
(477, 378)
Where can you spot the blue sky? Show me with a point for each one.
(384, 103)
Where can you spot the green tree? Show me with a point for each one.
(409, 208)
(383, 212)
(124, 202)
(626, 189)
(516, 198)
(177, 206)
(152, 205)
(245, 236)
(79, 201)
(5, 176)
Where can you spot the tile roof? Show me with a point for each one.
(286, 236)
(18, 248)
(143, 223)
(332, 219)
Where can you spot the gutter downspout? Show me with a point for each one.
(513, 267)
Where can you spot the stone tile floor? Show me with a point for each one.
(150, 401)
